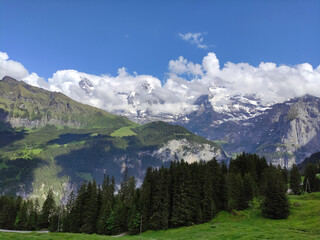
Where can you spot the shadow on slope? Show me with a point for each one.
(104, 155)
(8, 135)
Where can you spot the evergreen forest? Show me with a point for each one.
(182, 195)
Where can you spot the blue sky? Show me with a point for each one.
(98, 37)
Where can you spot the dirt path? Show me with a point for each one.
(120, 235)
(14, 231)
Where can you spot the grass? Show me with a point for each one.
(303, 223)
(123, 132)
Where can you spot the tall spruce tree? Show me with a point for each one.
(146, 198)
(161, 201)
(275, 204)
(311, 182)
(295, 180)
(236, 194)
(48, 209)
(22, 217)
(107, 200)
(183, 204)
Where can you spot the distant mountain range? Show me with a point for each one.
(285, 133)
(48, 140)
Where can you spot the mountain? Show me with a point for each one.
(47, 140)
(23, 105)
(285, 133)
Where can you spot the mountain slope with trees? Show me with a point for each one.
(47, 140)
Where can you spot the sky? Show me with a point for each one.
(178, 47)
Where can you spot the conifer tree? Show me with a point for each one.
(209, 206)
(183, 208)
(106, 205)
(295, 180)
(236, 195)
(22, 217)
(7, 212)
(248, 188)
(77, 214)
(311, 182)
(275, 204)
(48, 209)
(146, 198)
(160, 207)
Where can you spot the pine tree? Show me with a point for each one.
(48, 209)
(248, 188)
(113, 225)
(107, 201)
(295, 180)
(22, 217)
(183, 207)
(146, 198)
(275, 204)
(236, 194)
(160, 207)
(68, 213)
(7, 212)
(32, 219)
(311, 182)
(78, 211)
(208, 204)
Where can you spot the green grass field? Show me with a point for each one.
(123, 132)
(303, 223)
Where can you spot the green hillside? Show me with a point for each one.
(47, 140)
(303, 223)
(25, 105)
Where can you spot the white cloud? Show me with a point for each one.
(11, 68)
(17, 71)
(194, 38)
(135, 93)
(182, 66)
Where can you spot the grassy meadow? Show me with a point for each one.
(303, 223)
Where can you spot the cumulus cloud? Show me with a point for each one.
(186, 81)
(11, 68)
(194, 38)
(17, 71)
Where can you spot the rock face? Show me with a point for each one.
(286, 133)
(190, 152)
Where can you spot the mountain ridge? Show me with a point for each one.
(39, 154)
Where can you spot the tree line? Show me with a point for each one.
(181, 195)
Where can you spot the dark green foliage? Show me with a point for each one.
(182, 195)
(48, 210)
(18, 213)
(21, 222)
(107, 202)
(248, 187)
(295, 180)
(236, 194)
(275, 203)
(8, 212)
(311, 183)
(159, 218)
